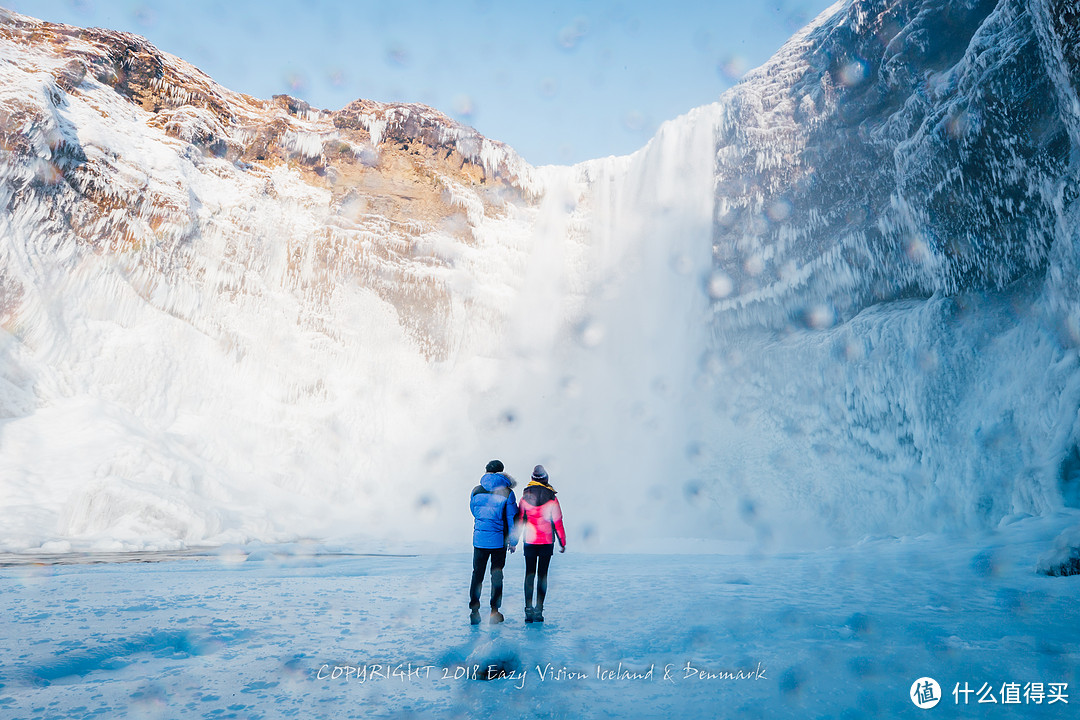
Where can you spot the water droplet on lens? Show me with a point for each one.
(779, 210)
(571, 35)
(916, 249)
(820, 317)
(590, 333)
(853, 73)
(719, 285)
(634, 120)
(427, 508)
(694, 492)
(682, 264)
(464, 107)
(928, 361)
(731, 68)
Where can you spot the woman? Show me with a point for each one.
(539, 516)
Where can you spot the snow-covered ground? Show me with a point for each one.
(276, 632)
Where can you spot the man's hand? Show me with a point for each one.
(562, 548)
(511, 548)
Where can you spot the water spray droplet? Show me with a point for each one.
(820, 317)
(464, 107)
(590, 333)
(928, 361)
(427, 508)
(694, 491)
(916, 249)
(571, 35)
(682, 264)
(754, 265)
(731, 68)
(634, 120)
(719, 285)
(779, 210)
(854, 73)
(398, 55)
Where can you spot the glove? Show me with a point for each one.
(562, 548)
(511, 548)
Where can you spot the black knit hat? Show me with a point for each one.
(539, 473)
(495, 466)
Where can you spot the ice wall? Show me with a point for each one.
(896, 223)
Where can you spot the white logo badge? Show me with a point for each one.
(925, 692)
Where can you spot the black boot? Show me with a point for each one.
(538, 613)
(528, 614)
(474, 617)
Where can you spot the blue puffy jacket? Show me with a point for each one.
(494, 507)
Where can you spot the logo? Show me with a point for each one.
(925, 693)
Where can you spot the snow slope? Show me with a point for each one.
(841, 300)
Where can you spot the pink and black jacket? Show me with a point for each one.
(539, 516)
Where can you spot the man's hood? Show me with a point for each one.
(490, 481)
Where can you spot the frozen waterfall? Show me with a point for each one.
(840, 301)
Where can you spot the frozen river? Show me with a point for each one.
(276, 634)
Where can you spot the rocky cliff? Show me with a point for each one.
(383, 177)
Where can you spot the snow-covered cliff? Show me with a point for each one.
(896, 253)
(225, 317)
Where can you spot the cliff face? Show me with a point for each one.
(211, 302)
(897, 151)
(381, 180)
(896, 250)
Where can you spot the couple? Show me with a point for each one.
(499, 521)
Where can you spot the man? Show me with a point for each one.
(493, 507)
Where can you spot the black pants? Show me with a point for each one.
(479, 565)
(537, 559)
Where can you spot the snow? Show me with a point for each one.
(282, 631)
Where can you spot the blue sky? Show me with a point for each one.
(559, 81)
